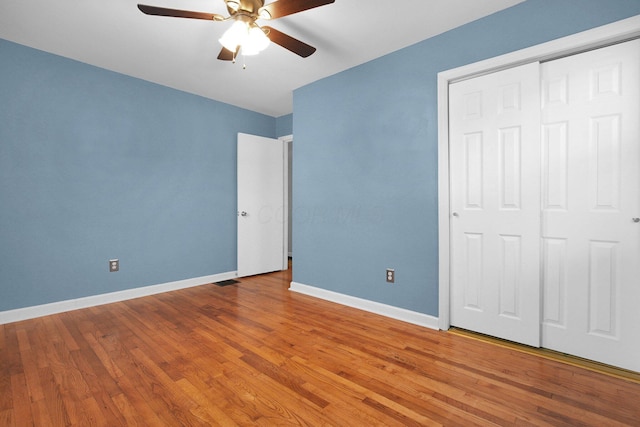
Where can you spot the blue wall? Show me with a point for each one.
(95, 165)
(365, 158)
(284, 125)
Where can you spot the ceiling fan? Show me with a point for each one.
(245, 34)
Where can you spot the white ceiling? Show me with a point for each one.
(181, 53)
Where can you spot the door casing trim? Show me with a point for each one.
(286, 140)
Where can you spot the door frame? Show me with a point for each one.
(616, 32)
(286, 140)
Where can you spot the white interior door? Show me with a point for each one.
(591, 195)
(261, 205)
(495, 202)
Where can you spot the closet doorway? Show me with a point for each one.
(544, 194)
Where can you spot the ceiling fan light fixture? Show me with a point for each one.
(256, 42)
(250, 38)
(235, 36)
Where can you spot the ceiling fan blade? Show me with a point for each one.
(280, 8)
(227, 55)
(290, 43)
(176, 13)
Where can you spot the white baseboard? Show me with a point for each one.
(19, 314)
(397, 313)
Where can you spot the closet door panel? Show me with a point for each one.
(495, 202)
(591, 193)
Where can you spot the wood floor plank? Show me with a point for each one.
(180, 405)
(41, 415)
(344, 409)
(267, 401)
(21, 401)
(54, 400)
(256, 354)
(30, 366)
(94, 374)
(6, 387)
(7, 418)
(3, 338)
(207, 409)
(134, 415)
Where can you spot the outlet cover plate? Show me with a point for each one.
(391, 275)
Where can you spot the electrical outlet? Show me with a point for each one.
(114, 265)
(391, 275)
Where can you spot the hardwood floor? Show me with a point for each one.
(255, 353)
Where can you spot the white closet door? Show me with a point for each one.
(590, 197)
(495, 201)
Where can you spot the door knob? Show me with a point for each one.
(455, 214)
(636, 219)
(243, 213)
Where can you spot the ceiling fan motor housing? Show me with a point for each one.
(249, 6)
